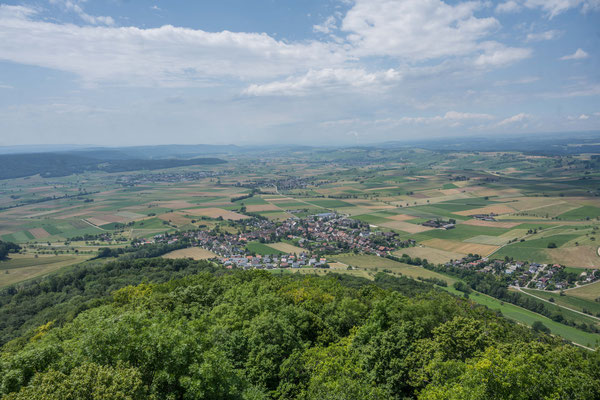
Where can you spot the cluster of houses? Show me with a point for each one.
(316, 235)
(525, 274)
(272, 262)
(284, 183)
(485, 217)
(440, 224)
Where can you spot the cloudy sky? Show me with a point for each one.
(122, 72)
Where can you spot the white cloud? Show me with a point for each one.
(454, 115)
(325, 79)
(496, 55)
(519, 118)
(450, 118)
(508, 7)
(556, 7)
(328, 26)
(165, 56)
(522, 81)
(540, 36)
(73, 6)
(415, 29)
(578, 55)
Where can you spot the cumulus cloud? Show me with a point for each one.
(556, 7)
(325, 78)
(540, 36)
(508, 7)
(496, 54)
(328, 26)
(165, 56)
(74, 6)
(519, 118)
(415, 29)
(581, 117)
(422, 37)
(578, 55)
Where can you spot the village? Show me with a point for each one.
(314, 236)
(518, 274)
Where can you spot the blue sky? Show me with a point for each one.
(116, 72)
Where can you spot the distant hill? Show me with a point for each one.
(550, 144)
(64, 164)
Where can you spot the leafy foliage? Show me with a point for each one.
(253, 335)
(6, 248)
(62, 296)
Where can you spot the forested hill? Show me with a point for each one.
(253, 335)
(64, 164)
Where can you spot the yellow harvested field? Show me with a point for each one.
(587, 292)
(532, 203)
(496, 192)
(514, 233)
(401, 217)
(88, 211)
(406, 226)
(448, 192)
(381, 206)
(337, 265)
(491, 224)
(496, 209)
(461, 183)
(354, 210)
(39, 233)
(460, 247)
(178, 218)
(97, 221)
(580, 256)
(432, 255)
(216, 213)
(196, 253)
(286, 248)
(262, 207)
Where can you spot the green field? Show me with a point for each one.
(262, 249)
(523, 316)
(568, 300)
(381, 263)
(581, 213)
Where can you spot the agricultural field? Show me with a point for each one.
(589, 292)
(20, 268)
(567, 299)
(196, 253)
(374, 263)
(533, 202)
(527, 317)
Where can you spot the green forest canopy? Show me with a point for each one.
(254, 335)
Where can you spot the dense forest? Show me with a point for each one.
(255, 335)
(60, 297)
(63, 164)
